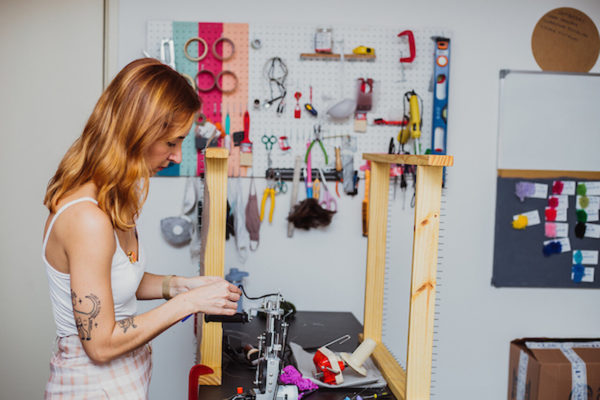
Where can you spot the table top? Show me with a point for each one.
(310, 329)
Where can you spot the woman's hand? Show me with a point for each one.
(214, 295)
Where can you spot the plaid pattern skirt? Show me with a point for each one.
(73, 375)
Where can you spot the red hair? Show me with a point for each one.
(146, 102)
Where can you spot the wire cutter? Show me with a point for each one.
(269, 192)
(317, 139)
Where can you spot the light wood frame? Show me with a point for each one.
(216, 180)
(414, 382)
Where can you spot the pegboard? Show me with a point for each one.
(331, 81)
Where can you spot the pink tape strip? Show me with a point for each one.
(210, 32)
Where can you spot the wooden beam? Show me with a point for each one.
(377, 231)
(423, 282)
(392, 372)
(216, 181)
(411, 159)
(547, 174)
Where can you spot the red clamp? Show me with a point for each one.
(411, 46)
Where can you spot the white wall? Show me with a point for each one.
(477, 321)
(50, 78)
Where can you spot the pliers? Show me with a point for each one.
(317, 139)
(269, 192)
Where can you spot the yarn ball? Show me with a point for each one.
(557, 187)
(550, 214)
(581, 189)
(580, 230)
(584, 201)
(520, 223)
(552, 248)
(581, 216)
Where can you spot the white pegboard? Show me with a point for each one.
(157, 31)
(332, 82)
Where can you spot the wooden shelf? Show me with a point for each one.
(432, 160)
(337, 57)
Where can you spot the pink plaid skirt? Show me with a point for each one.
(73, 375)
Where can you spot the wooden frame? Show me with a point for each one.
(216, 181)
(414, 382)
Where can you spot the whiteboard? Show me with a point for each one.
(549, 121)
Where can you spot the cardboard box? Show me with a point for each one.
(549, 369)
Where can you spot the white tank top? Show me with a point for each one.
(125, 278)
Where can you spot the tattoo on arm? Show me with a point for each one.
(126, 323)
(85, 313)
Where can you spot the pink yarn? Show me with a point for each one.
(290, 375)
(550, 229)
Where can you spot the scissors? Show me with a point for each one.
(269, 141)
(326, 200)
(280, 185)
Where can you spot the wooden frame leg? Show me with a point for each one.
(423, 282)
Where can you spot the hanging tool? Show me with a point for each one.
(297, 109)
(338, 168)
(316, 188)
(316, 139)
(441, 73)
(294, 196)
(171, 49)
(309, 106)
(365, 205)
(246, 145)
(268, 193)
(327, 201)
(411, 46)
(269, 141)
(393, 169)
(415, 122)
(382, 121)
(280, 185)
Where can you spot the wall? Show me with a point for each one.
(51, 76)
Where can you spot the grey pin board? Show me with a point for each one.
(518, 257)
(548, 129)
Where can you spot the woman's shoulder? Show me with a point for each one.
(82, 217)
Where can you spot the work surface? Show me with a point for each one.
(310, 329)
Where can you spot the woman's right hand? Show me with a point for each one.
(219, 297)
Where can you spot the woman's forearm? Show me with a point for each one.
(131, 333)
(151, 286)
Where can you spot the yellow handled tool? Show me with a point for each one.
(269, 192)
(414, 124)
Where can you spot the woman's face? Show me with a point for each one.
(163, 152)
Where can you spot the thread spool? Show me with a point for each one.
(251, 353)
(360, 355)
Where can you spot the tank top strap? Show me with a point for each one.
(60, 210)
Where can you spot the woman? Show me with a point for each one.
(94, 261)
